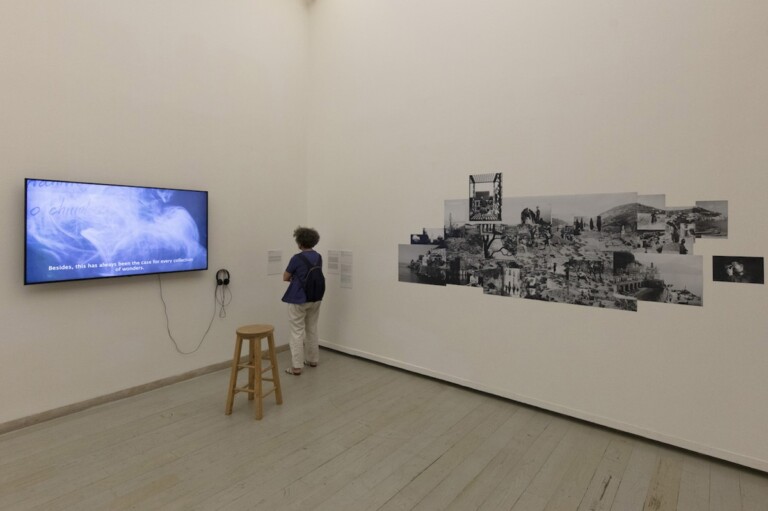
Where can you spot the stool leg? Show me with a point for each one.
(275, 370)
(233, 375)
(259, 412)
(251, 362)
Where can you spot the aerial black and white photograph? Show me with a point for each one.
(421, 264)
(485, 197)
(663, 278)
(739, 269)
(712, 219)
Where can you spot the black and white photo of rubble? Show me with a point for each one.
(479, 253)
(421, 264)
(662, 278)
(577, 282)
(473, 248)
(565, 257)
(606, 250)
(485, 199)
(712, 219)
(546, 263)
(533, 218)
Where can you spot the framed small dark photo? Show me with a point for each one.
(485, 197)
(740, 269)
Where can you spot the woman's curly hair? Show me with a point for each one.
(306, 237)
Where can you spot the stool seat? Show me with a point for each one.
(254, 333)
(254, 330)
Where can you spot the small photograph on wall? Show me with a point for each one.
(740, 269)
(651, 215)
(422, 264)
(485, 197)
(429, 236)
(712, 219)
(662, 278)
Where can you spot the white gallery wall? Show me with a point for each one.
(181, 94)
(361, 117)
(408, 98)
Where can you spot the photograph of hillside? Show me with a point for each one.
(712, 219)
(648, 217)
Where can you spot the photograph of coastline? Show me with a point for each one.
(663, 278)
(740, 269)
(712, 219)
(421, 264)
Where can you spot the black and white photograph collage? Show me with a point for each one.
(599, 250)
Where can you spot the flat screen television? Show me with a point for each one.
(78, 231)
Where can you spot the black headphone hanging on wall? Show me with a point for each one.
(222, 277)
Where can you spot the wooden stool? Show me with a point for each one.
(254, 333)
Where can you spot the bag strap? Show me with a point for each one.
(309, 264)
(304, 259)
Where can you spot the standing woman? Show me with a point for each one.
(302, 314)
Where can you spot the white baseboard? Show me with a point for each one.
(682, 443)
(37, 418)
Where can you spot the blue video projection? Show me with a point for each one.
(78, 231)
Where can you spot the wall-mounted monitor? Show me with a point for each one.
(77, 231)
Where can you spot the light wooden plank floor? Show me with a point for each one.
(352, 435)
